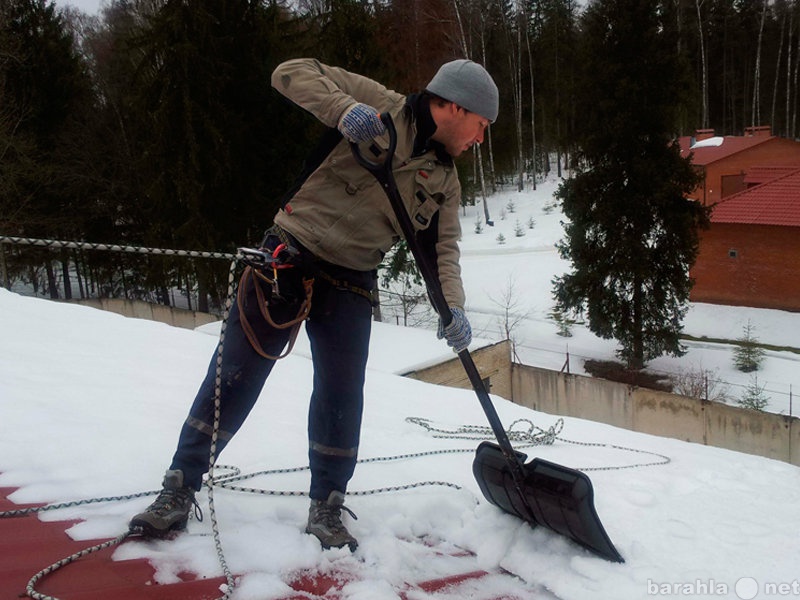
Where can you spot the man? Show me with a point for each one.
(334, 232)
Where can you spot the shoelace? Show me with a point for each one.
(177, 497)
(331, 515)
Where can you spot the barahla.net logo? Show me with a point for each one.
(745, 588)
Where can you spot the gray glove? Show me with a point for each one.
(458, 332)
(361, 123)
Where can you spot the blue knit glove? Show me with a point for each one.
(361, 123)
(458, 333)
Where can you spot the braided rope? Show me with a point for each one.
(30, 589)
(212, 455)
(24, 241)
(532, 436)
(536, 436)
(23, 512)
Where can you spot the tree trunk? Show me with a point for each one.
(533, 108)
(755, 116)
(76, 258)
(4, 267)
(65, 274)
(777, 73)
(202, 291)
(704, 64)
(51, 279)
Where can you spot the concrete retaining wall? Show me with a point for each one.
(493, 363)
(178, 317)
(659, 413)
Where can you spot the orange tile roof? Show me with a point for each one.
(775, 202)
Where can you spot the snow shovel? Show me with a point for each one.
(540, 492)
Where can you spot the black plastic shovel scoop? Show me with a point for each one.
(540, 492)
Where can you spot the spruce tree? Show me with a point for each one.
(754, 397)
(631, 235)
(748, 355)
(42, 81)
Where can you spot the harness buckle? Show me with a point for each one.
(282, 257)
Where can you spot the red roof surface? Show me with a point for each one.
(28, 545)
(776, 202)
(707, 154)
(761, 174)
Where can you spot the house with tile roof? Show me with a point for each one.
(750, 255)
(725, 161)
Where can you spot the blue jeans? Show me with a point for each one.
(338, 328)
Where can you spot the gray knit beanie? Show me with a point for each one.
(469, 85)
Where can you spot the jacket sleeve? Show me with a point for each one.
(326, 92)
(448, 253)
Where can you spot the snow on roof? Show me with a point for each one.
(713, 141)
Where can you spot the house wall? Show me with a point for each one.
(773, 152)
(763, 274)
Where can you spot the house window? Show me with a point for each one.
(733, 253)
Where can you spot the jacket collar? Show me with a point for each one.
(419, 105)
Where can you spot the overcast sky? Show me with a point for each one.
(91, 7)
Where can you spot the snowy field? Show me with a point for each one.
(517, 275)
(91, 404)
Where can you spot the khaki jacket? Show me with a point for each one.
(341, 213)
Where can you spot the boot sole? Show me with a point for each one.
(147, 530)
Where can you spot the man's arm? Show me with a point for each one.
(327, 92)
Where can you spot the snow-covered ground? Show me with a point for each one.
(519, 273)
(91, 404)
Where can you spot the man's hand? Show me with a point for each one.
(458, 332)
(361, 123)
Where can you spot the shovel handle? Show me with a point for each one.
(382, 171)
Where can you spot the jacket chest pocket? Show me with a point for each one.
(427, 197)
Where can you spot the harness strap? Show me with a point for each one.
(317, 269)
(346, 285)
(249, 275)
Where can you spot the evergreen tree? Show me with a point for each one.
(748, 355)
(221, 145)
(631, 235)
(42, 82)
(754, 397)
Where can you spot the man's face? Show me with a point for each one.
(460, 130)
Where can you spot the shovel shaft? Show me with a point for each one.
(383, 173)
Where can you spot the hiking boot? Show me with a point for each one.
(170, 510)
(325, 522)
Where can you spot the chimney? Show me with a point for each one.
(704, 134)
(760, 131)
